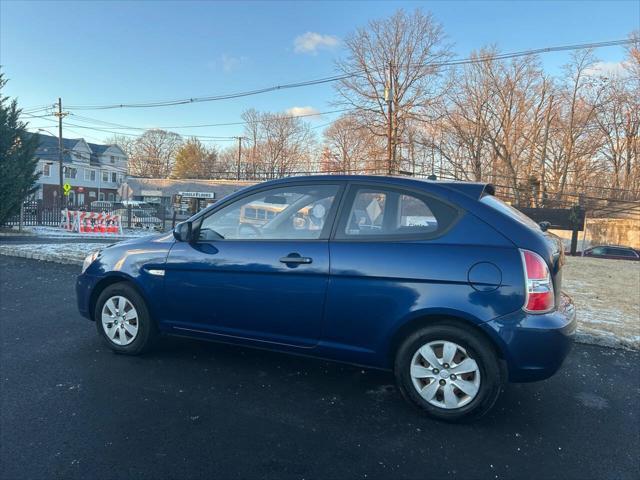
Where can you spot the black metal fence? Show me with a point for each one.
(132, 215)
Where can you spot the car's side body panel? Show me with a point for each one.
(241, 289)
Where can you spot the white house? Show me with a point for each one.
(94, 171)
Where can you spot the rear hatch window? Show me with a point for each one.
(508, 210)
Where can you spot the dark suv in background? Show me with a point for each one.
(614, 252)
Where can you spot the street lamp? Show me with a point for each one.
(60, 153)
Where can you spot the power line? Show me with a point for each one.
(227, 124)
(344, 76)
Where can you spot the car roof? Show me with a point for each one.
(472, 189)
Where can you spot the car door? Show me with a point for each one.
(258, 267)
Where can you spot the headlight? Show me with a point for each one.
(89, 260)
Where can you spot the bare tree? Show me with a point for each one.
(349, 148)
(401, 54)
(285, 145)
(580, 96)
(618, 120)
(461, 134)
(251, 162)
(153, 154)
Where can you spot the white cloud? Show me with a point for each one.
(311, 42)
(231, 63)
(608, 69)
(300, 111)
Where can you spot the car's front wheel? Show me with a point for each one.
(449, 372)
(123, 320)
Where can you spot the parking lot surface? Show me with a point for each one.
(72, 409)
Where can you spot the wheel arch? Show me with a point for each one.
(426, 319)
(108, 281)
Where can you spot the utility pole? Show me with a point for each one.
(388, 93)
(60, 115)
(239, 156)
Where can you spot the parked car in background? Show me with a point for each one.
(137, 204)
(440, 282)
(140, 218)
(614, 252)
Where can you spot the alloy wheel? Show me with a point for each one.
(445, 375)
(120, 320)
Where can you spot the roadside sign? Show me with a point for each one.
(197, 194)
(67, 188)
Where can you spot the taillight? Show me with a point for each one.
(540, 297)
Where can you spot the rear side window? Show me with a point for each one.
(392, 213)
(508, 210)
(620, 252)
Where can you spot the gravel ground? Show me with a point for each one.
(607, 298)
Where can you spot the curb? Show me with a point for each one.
(608, 341)
(45, 257)
(16, 234)
(600, 340)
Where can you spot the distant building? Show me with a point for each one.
(185, 196)
(94, 171)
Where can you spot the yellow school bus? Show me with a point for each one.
(259, 213)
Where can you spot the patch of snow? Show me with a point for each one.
(72, 250)
(54, 232)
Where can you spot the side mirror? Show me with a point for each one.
(182, 231)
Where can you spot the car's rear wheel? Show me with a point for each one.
(123, 320)
(449, 372)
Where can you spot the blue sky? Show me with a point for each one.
(126, 51)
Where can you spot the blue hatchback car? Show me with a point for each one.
(441, 282)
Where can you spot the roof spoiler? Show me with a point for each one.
(489, 189)
(475, 190)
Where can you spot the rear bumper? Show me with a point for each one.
(535, 346)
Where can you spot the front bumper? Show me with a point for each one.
(535, 346)
(84, 287)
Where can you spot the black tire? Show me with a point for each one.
(491, 374)
(147, 331)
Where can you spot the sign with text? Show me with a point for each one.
(197, 194)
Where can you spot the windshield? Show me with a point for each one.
(508, 210)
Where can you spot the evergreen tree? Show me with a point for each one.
(17, 157)
(194, 160)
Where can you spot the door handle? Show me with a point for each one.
(294, 258)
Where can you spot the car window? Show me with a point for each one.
(508, 210)
(295, 212)
(620, 252)
(598, 251)
(388, 212)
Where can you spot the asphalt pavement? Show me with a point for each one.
(70, 408)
